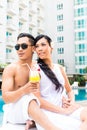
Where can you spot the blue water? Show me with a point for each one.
(1, 108)
(81, 94)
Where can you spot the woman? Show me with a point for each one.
(62, 111)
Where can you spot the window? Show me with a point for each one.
(78, 2)
(79, 36)
(30, 30)
(8, 52)
(30, 17)
(30, 4)
(60, 39)
(38, 23)
(61, 61)
(80, 23)
(20, 11)
(60, 50)
(20, 25)
(59, 17)
(81, 60)
(8, 36)
(60, 28)
(38, 11)
(60, 6)
(80, 12)
(9, 19)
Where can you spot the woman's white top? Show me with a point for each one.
(48, 89)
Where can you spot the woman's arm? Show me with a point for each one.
(67, 85)
(70, 101)
(47, 105)
(53, 108)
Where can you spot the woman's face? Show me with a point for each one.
(43, 49)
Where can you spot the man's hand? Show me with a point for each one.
(30, 87)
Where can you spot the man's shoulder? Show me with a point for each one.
(14, 64)
(10, 67)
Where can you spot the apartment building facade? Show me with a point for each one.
(80, 29)
(65, 21)
(72, 35)
(62, 32)
(18, 16)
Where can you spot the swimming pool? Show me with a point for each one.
(80, 95)
(1, 108)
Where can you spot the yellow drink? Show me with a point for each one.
(34, 76)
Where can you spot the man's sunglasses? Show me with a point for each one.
(23, 46)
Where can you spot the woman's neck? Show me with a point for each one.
(49, 63)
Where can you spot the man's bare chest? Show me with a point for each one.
(21, 77)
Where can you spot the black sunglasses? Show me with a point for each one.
(23, 46)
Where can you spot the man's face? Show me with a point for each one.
(24, 48)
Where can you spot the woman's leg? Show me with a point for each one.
(84, 119)
(38, 115)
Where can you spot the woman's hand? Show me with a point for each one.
(66, 102)
(70, 109)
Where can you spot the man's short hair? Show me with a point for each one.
(31, 38)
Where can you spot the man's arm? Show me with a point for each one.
(9, 92)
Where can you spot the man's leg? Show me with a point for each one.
(38, 115)
(84, 119)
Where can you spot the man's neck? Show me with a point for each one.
(26, 62)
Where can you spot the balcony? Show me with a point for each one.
(32, 11)
(23, 3)
(10, 25)
(9, 58)
(1, 3)
(40, 16)
(40, 27)
(32, 22)
(11, 8)
(40, 4)
(22, 16)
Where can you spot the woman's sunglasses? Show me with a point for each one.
(23, 46)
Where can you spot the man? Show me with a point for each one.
(21, 104)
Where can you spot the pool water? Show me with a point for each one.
(80, 95)
(1, 108)
(1, 102)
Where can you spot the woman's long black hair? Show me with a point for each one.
(50, 74)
